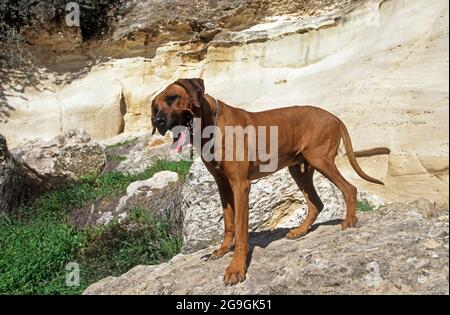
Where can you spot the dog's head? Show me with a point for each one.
(176, 106)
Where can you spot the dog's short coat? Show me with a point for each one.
(308, 140)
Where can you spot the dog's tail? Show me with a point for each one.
(351, 155)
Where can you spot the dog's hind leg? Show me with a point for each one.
(328, 168)
(304, 179)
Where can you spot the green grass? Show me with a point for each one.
(364, 206)
(114, 250)
(37, 243)
(33, 256)
(91, 188)
(114, 157)
(120, 144)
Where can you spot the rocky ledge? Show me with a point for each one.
(399, 249)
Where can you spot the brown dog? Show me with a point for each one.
(308, 140)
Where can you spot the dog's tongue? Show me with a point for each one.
(177, 145)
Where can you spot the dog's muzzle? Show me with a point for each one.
(160, 122)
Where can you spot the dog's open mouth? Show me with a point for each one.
(179, 140)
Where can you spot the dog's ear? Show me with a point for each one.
(152, 119)
(195, 88)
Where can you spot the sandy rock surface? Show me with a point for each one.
(401, 249)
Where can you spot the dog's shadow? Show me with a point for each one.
(264, 238)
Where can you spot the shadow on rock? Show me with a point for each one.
(265, 238)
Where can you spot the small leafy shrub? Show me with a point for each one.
(364, 206)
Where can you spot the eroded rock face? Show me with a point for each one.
(275, 202)
(400, 249)
(64, 159)
(150, 24)
(10, 179)
(137, 28)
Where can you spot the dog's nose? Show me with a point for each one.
(160, 120)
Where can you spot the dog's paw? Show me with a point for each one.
(295, 233)
(235, 273)
(349, 223)
(218, 253)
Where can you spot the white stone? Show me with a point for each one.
(158, 181)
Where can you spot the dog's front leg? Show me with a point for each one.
(227, 200)
(237, 269)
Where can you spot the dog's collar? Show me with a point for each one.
(216, 118)
(217, 113)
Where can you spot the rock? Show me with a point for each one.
(384, 255)
(144, 152)
(140, 189)
(64, 159)
(137, 28)
(159, 195)
(275, 202)
(10, 180)
(135, 154)
(205, 21)
(431, 244)
(157, 181)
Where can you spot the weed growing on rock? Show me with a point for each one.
(364, 206)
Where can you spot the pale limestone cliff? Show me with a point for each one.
(381, 66)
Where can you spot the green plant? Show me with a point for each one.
(118, 247)
(33, 256)
(115, 158)
(107, 185)
(120, 144)
(180, 167)
(364, 206)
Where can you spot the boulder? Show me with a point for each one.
(159, 195)
(64, 159)
(394, 250)
(10, 180)
(142, 189)
(275, 202)
(144, 152)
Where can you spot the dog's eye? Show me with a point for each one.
(154, 110)
(171, 99)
